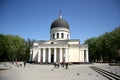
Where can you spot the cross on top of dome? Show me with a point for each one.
(60, 22)
(60, 14)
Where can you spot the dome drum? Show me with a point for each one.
(60, 34)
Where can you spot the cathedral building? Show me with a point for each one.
(60, 48)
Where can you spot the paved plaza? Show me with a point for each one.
(48, 72)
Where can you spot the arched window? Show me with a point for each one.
(57, 35)
(67, 36)
(53, 35)
(52, 42)
(62, 35)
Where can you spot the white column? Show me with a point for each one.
(83, 56)
(54, 54)
(60, 35)
(66, 55)
(87, 59)
(44, 55)
(49, 55)
(69, 36)
(30, 55)
(55, 35)
(39, 55)
(60, 54)
(80, 55)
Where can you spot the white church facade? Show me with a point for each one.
(60, 48)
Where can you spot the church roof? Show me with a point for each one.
(60, 23)
(54, 43)
(51, 43)
(84, 46)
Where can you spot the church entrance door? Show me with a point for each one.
(52, 58)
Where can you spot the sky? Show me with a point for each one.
(32, 18)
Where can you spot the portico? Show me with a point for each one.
(49, 55)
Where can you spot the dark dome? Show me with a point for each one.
(60, 23)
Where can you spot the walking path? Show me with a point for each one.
(113, 69)
(48, 72)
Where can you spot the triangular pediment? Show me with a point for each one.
(51, 42)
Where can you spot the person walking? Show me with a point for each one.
(16, 63)
(66, 65)
(21, 64)
(24, 63)
(58, 64)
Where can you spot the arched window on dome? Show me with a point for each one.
(53, 36)
(62, 35)
(57, 35)
(67, 36)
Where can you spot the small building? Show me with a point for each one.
(60, 48)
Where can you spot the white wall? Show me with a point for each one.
(73, 51)
(82, 48)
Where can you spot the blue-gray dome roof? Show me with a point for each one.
(60, 23)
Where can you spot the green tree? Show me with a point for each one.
(104, 47)
(4, 46)
(12, 47)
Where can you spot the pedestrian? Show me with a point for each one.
(16, 62)
(63, 63)
(55, 64)
(58, 64)
(21, 64)
(66, 65)
(24, 63)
